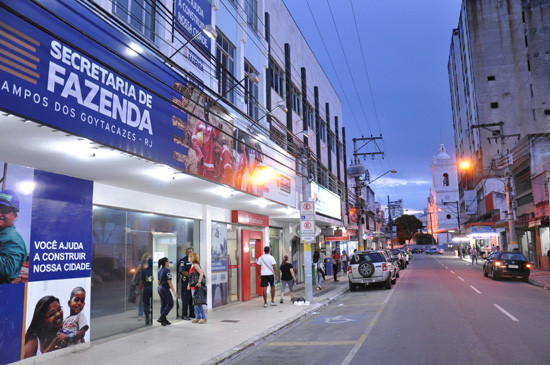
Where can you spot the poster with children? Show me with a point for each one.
(58, 315)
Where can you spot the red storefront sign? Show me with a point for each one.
(249, 219)
(344, 237)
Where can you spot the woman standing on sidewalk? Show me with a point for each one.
(200, 317)
(287, 278)
(165, 285)
(344, 259)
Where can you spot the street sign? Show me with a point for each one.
(307, 222)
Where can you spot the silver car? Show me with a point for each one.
(371, 267)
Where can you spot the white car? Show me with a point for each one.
(370, 267)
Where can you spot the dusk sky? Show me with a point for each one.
(406, 48)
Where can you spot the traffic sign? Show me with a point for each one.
(307, 222)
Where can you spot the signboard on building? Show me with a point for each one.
(326, 202)
(480, 231)
(249, 219)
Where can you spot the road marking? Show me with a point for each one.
(316, 343)
(505, 312)
(459, 277)
(452, 271)
(446, 268)
(477, 291)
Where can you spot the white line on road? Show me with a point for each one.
(446, 268)
(452, 271)
(477, 291)
(505, 312)
(460, 278)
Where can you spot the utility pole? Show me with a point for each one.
(359, 184)
(498, 134)
(390, 222)
(306, 197)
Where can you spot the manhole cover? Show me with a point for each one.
(230, 320)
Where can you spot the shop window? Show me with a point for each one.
(140, 14)
(225, 66)
(120, 240)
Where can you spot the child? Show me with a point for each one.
(76, 325)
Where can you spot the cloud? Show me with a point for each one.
(412, 211)
(395, 182)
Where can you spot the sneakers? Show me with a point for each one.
(281, 301)
(186, 318)
(195, 321)
(273, 304)
(265, 305)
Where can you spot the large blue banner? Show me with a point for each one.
(192, 16)
(87, 86)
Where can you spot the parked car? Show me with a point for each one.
(389, 256)
(417, 250)
(511, 264)
(407, 254)
(371, 267)
(399, 257)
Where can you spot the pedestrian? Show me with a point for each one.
(147, 292)
(320, 273)
(184, 265)
(268, 274)
(136, 283)
(288, 278)
(13, 251)
(335, 261)
(473, 253)
(344, 259)
(200, 316)
(165, 285)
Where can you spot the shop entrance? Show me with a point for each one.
(251, 248)
(164, 245)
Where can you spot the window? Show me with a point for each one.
(277, 77)
(251, 92)
(331, 138)
(140, 14)
(296, 100)
(225, 66)
(310, 117)
(322, 131)
(445, 179)
(494, 105)
(251, 9)
(546, 111)
(490, 78)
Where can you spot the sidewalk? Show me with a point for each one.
(537, 277)
(230, 330)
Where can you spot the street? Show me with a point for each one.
(441, 311)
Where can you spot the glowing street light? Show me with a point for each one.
(464, 164)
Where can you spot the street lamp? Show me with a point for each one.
(207, 29)
(387, 172)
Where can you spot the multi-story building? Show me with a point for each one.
(135, 129)
(499, 95)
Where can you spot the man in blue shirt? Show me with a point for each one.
(13, 251)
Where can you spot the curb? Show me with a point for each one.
(237, 350)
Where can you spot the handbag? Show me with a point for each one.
(194, 279)
(132, 295)
(199, 298)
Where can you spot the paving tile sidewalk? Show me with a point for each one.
(229, 331)
(537, 277)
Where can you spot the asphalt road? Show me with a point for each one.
(441, 311)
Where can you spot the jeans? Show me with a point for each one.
(345, 267)
(199, 310)
(146, 295)
(319, 278)
(474, 257)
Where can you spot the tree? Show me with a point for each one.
(424, 239)
(407, 226)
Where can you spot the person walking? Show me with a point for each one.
(288, 278)
(344, 259)
(200, 316)
(165, 285)
(268, 274)
(335, 262)
(473, 253)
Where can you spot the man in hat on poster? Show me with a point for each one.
(13, 251)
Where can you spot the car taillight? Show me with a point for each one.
(528, 266)
(349, 269)
(384, 267)
(498, 263)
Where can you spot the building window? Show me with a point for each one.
(494, 105)
(140, 14)
(225, 66)
(331, 141)
(490, 78)
(546, 111)
(310, 117)
(277, 77)
(251, 10)
(296, 100)
(250, 92)
(445, 179)
(322, 131)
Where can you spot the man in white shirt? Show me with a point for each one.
(268, 274)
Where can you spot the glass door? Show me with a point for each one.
(164, 245)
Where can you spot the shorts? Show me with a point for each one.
(290, 284)
(267, 279)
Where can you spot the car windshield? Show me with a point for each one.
(395, 251)
(370, 257)
(512, 256)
